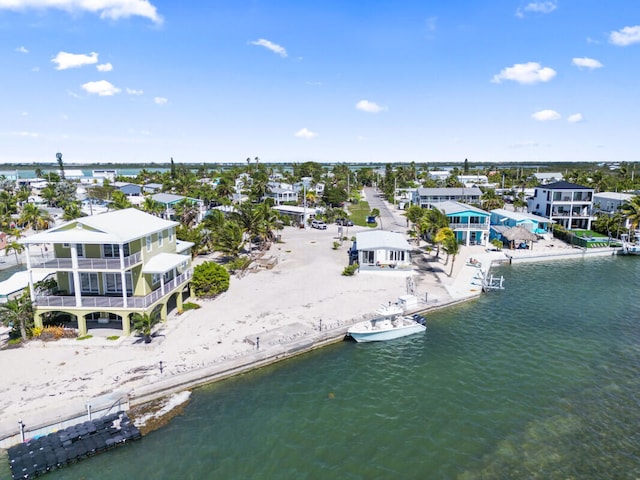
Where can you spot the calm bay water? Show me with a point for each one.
(538, 381)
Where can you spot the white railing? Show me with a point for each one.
(91, 263)
(116, 301)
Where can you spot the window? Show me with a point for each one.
(396, 255)
(155, 278)
(80, 249)
(160, 238)
(368, 256)
(149, 240)
(113, 250)
(168, 276)
(171, 234)
(88, 282)
(113, 282)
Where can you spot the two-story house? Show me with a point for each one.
(469, 224)
(431, 197)
(565, 203)
(109, 267)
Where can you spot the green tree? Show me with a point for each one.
(18, 313)
(451, 248)
(209, 279)
(72, 211)
(228, 239)
(17, 248)
(119, 200)
(152, 207)
(34, 217)
(144, 323)
(631, 211)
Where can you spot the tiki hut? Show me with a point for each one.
(519, 237)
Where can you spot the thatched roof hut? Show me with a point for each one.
(519, 234)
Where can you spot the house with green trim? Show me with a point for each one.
(109, 267)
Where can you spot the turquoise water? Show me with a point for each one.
(538, 381)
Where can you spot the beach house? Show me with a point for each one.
(565, 203)
(379, 250)
(469, 224)
(502, 220)
(109, 267)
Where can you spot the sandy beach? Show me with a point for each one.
(262, 312)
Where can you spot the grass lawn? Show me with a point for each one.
(359, 213)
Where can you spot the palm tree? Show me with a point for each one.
(17, 248)
(631, 210)
(442, 237)
(18, 312)
(34, 217)
(119, 200)
(152, 207)
(228, 239)
(72, 211)
(451, 247)
(415, 214)
(187, 212)
(144, 323)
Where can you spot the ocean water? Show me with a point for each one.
(537, 381)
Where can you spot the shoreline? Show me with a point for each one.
(285, 306)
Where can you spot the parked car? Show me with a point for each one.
(319, 224)
(344, 222)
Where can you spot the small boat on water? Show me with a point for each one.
(389, 323)
(630, 247)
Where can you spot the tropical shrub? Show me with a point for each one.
(350, 270)
(209, 279)
(190, 306)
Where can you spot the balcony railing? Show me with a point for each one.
(116, 301)
(469, 226)
(91, 263)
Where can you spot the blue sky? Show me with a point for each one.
(332, 81)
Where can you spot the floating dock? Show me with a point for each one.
(70, 445)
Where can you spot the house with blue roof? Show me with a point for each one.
(469, 224)
(501, 220)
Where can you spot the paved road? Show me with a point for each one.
(390, 219)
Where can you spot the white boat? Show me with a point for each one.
(390, 323)
(629, 247)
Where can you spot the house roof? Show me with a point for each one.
(381, 239)
(118, 226)
(519, 233)
(451, 208)
(163, 262)
(455, 191)
(519, 216)
(20, 280)
(564, 186)
(614, 196)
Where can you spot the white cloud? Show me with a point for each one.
(575, 118)
(21, 49)
(35, 69)
(584, 62)
(160, 100)
(132, 91)
(369, 107)
(314, 84)
(101, 88)
(528, 73)
(545, 115)
(626, 36)
(105, 67)
(274, 47)
(111, 9)
(306, 134)
(23, 134)
(66, 60)
(536, 7)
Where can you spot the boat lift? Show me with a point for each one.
(489, 282)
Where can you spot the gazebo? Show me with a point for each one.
(517, 235)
